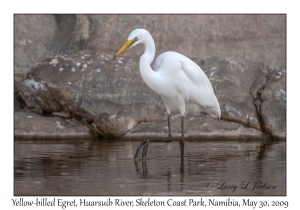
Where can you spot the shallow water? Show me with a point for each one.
(106, 167)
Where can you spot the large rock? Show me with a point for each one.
(260, 38)
(29, 125)
(236, 83)
(273, 107)
(110, 94)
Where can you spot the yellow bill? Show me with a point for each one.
(125, 47)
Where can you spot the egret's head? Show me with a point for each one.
(135, 37)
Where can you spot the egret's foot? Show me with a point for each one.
(182, 142)
(144, 144)
(145, 148)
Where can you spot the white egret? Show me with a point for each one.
(180, 82)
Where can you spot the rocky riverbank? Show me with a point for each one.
(83, 95)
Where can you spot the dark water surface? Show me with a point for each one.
(106, 167)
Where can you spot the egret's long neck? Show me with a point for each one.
(145, 61)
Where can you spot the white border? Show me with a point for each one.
(153, 6)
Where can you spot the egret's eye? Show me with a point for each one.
(136, 39)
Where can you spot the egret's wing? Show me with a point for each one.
(196, 84)
(189, 80)
(199, 88)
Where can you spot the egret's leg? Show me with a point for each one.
(145, 148)
(169, 127)
(146, 142)
(182, 139)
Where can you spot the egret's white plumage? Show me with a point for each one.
(181, 83)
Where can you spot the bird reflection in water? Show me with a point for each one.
(144, 171)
